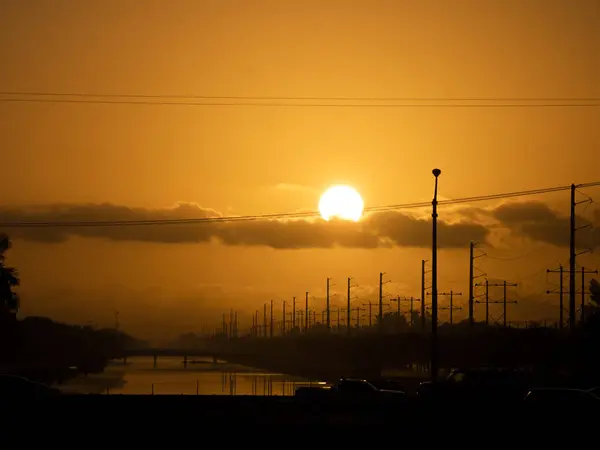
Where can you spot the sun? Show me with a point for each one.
(341, 201)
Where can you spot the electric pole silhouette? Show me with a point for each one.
(560, 271)
(293, 314)
(306, 313)
(573, 255)
(349, 308)
(271, 327)
(398, 301)
(328, 306)
(451, 307)
(284, 320)
(504, 300)
(380, 315)
(370, 305)
(472, 277)
(423, 292)
(358, 309)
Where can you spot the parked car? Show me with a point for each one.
(12, 386)
(560, 397)
(478, 385)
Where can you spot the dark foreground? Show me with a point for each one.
(175, 412)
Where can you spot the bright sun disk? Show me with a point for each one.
(343, 202)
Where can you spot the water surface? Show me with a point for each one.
(170, 376)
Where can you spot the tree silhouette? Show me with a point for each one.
(9, 277)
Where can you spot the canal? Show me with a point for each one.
(139, 376)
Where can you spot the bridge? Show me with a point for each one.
(184, 353)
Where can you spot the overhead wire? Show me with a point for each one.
(217, 219)
(296, 101)
(310, 98)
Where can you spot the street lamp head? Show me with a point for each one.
(436, 172)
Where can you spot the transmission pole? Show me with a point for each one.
(472, 277)
(271, 327)
(380, 315)
(572, 231)
(504, 300)
(328, 307)
(423, 292)
(398, 301)
(358, 309)
(117, 320)
(293, 314)
(348, 309)
(284, 320)
(306, 313)
(265, 320)
(370, 305)
(561, 321)
(572, 255)
(451, 307)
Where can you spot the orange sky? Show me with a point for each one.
(240, 159)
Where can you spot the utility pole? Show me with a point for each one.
(451, 308)
(293, 314)
(283, 323)
(265, 320)
(370, 305)
(306, 313)
(398, 301)
(434, 293)
(487, 300)
(472, 277)
(271, 326)
(561, 320)
(572, 255)
(380, 315)
(235, 325)
(256, 326)
(504, 300)
(328, 307)
(348, 309)
(117, 320)
(423, 292)
(358, 310)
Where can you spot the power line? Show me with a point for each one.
(21, 224)
(255, 101)
(299, 98)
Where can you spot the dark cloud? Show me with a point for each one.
(384, 229)
(406, 231)
(537, 221)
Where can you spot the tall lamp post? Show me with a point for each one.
(434, 291)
